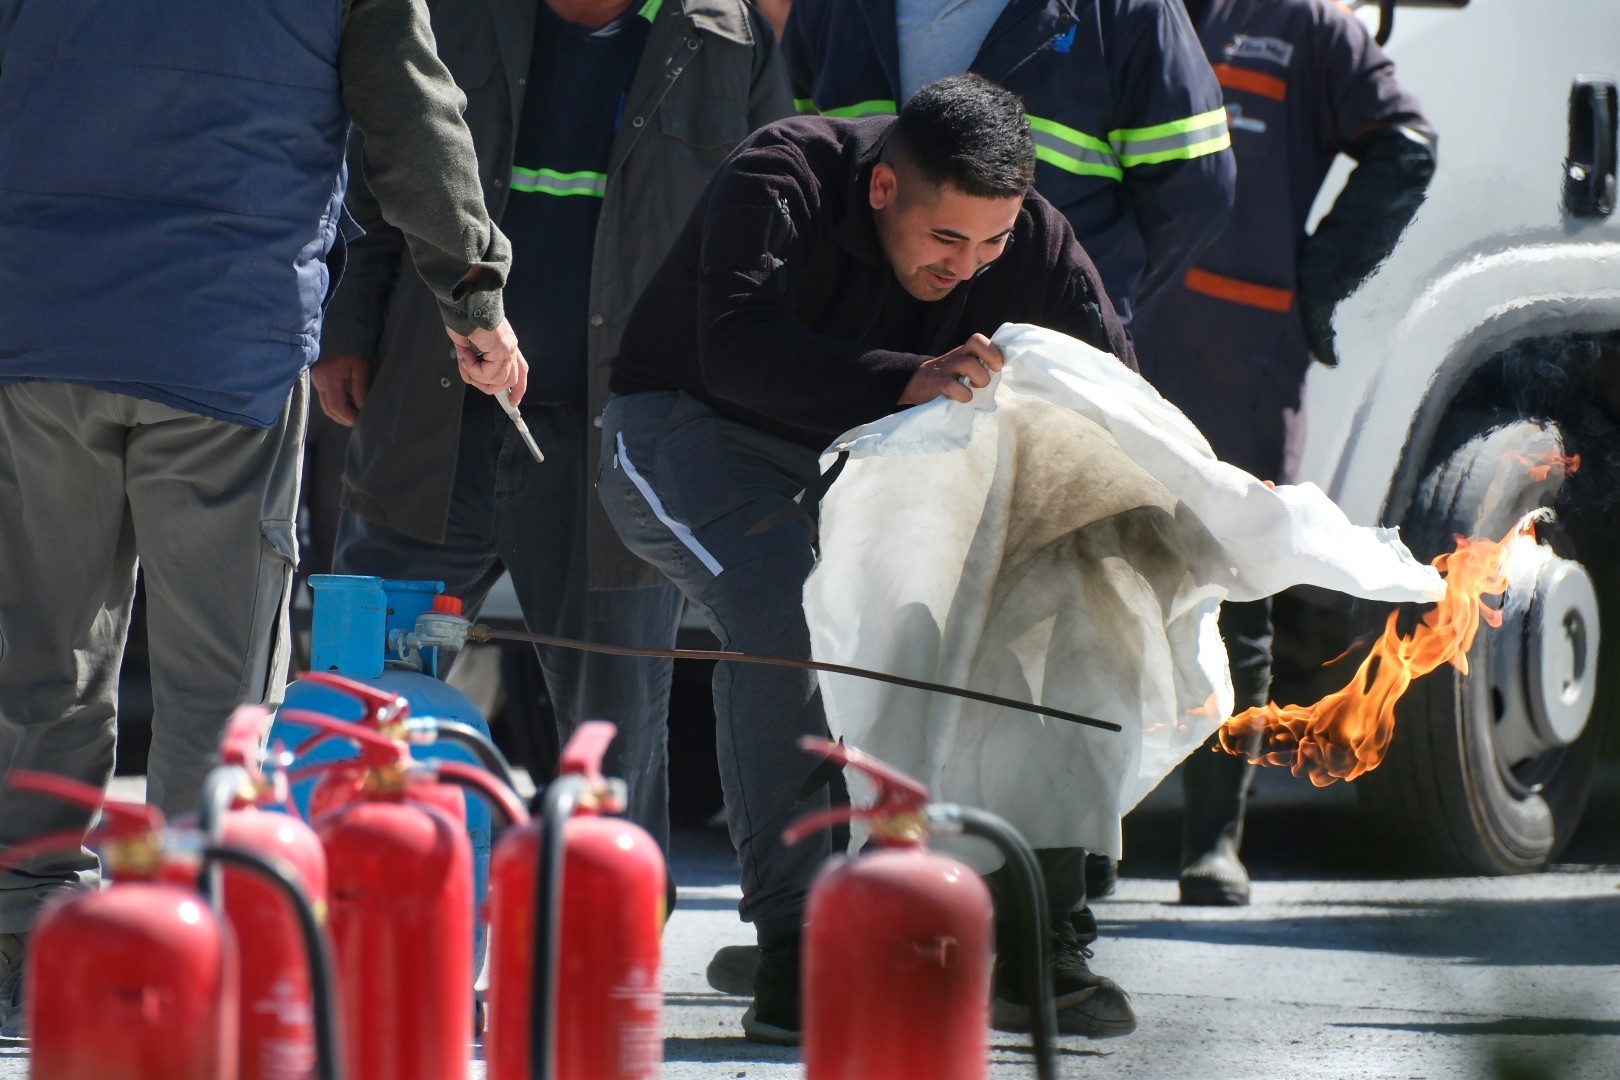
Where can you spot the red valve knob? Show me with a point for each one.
(444, 604)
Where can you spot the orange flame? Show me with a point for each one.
(1348, 732)
(1541, 466)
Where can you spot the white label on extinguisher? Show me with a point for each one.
(285, 1004)
(282, 1058)
(289, 1057)
(641, 1030)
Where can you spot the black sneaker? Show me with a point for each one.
(13, 1021)
(1086, 1003)
(774, 1016)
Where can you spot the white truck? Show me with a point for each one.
(1486, 349)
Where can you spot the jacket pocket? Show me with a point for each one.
(467, 45)
(264, 672)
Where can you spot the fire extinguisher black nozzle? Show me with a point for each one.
(328, 1063)
(1030, 899)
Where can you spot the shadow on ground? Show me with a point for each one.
(1296, 832)
(1498, 933)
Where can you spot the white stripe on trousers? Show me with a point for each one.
(682, 533)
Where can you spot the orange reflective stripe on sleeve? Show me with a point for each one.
(1255, 82)
(1264, 297)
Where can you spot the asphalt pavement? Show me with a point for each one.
(1338, 969)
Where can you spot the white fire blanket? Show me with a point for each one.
(1065, 539)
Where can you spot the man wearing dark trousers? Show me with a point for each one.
(171, 186)
(1232, 342)
(834, 272)
(1131, 139)
(597, 123)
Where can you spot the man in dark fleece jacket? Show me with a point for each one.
(833, 272)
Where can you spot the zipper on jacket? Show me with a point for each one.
(1001, 30)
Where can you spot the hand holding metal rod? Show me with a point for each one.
(505, 398)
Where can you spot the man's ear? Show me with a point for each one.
(885, 186)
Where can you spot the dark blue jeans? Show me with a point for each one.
(509, 512)
(682, 485)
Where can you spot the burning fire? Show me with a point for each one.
(1348, 732)
(1541, 466)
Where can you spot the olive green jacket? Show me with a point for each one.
(709, 74)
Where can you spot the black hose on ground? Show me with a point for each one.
(1029, 895)
(328, 1063)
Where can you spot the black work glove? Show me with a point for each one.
(1316, 312)
(1393, 168)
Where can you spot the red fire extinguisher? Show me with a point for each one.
(400, 887)
(239, 809)
(138, 981)
(898, 941)
(343, 782)
(590, 920)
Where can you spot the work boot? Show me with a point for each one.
(774, 1016)
(1216, 878)
(1086, 1003)
(732, 969)
(1216, 787)
(1214, 783)
(1102, 874)
(13, 1022)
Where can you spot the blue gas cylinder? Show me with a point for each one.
(356, 628)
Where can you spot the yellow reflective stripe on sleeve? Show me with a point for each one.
(860, 108)
(805, 106)
(1072, 151)
(1178, 140)
(552, 182)
(649, 10)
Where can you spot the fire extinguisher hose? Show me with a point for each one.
(482, 633)
(553, 806)
(492, 791)
(218, 792)
(328, 1064)
(469, 738)
(1030, 898)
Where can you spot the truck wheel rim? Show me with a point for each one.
(1543, 666)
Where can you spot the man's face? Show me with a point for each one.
(934, 236)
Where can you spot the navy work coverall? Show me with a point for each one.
(1231, 344)
(1304, 82)
(1131, 141)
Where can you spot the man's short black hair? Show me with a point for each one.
(967, 132)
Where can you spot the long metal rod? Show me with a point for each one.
(482, 633)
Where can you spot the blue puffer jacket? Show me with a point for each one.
(171, 180)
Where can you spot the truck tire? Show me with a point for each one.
(1478, 779)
